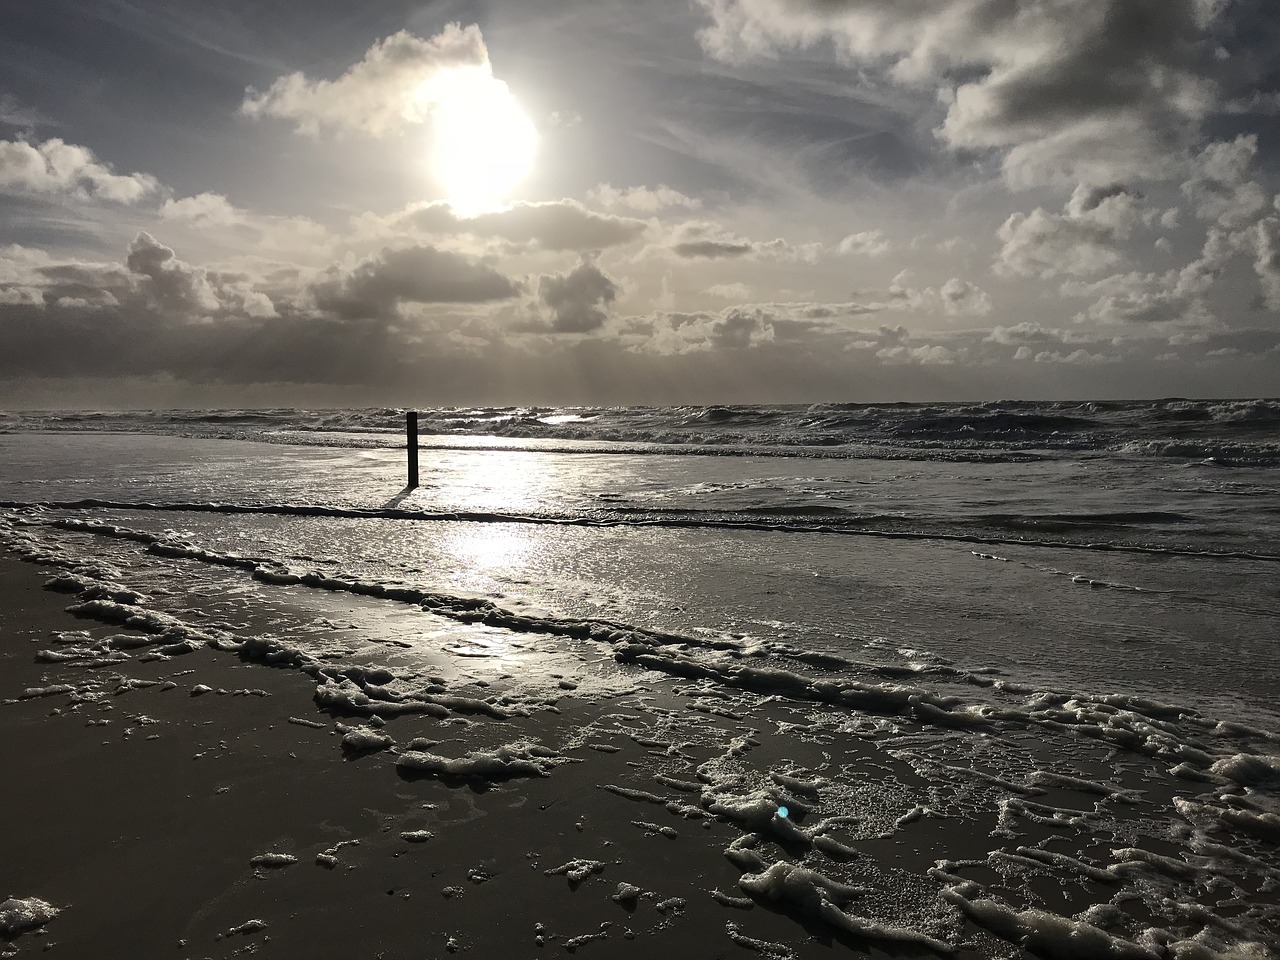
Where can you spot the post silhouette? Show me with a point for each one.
(411, 446)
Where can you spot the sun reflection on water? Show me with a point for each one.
(494, 482)
(491, 548)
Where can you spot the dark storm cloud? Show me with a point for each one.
(376, 286)
(578, 300)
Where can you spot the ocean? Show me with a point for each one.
(938, 678)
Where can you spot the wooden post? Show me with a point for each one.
(411, 445)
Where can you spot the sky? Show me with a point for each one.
(327, 203)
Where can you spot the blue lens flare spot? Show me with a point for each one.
(782, 812)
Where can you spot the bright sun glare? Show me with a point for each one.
(482, 142)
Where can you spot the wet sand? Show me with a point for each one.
(142, 831)
(632, 817)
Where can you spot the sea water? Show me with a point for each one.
(1050, 629)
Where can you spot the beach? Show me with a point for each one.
(568, 698)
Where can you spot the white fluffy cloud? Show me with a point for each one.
(894, 346)
(1069, 89)
(962, 298)
(736, 328)
(392, 87)
(203, 209)
(1087, 237)
(1220, 187)
(55, 167)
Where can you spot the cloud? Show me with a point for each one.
(1085, 238)
(55, 167)
(1080, 356)
(18, 114)
(213, 214)
(549, 225)
(578, 300)
(729, 291)
(157, 317)
(151, 313)
(1220, 188)
(375, 287)
(1020, 334)
(1032, 342)
(202, 209)
(175, 286)
(1177, 297)
(642, 199)
(962, 298)
(394, 86)
(155, 314)
(955, 298)
(13, 295)
(1027, 333)
(703, 240)
(152, 281)
(869, 243)
(152, 285)
(923, 354)
(735, 328)
(1266, 239)
(1069, 89)
(893, 346)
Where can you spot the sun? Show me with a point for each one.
(483, 144)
